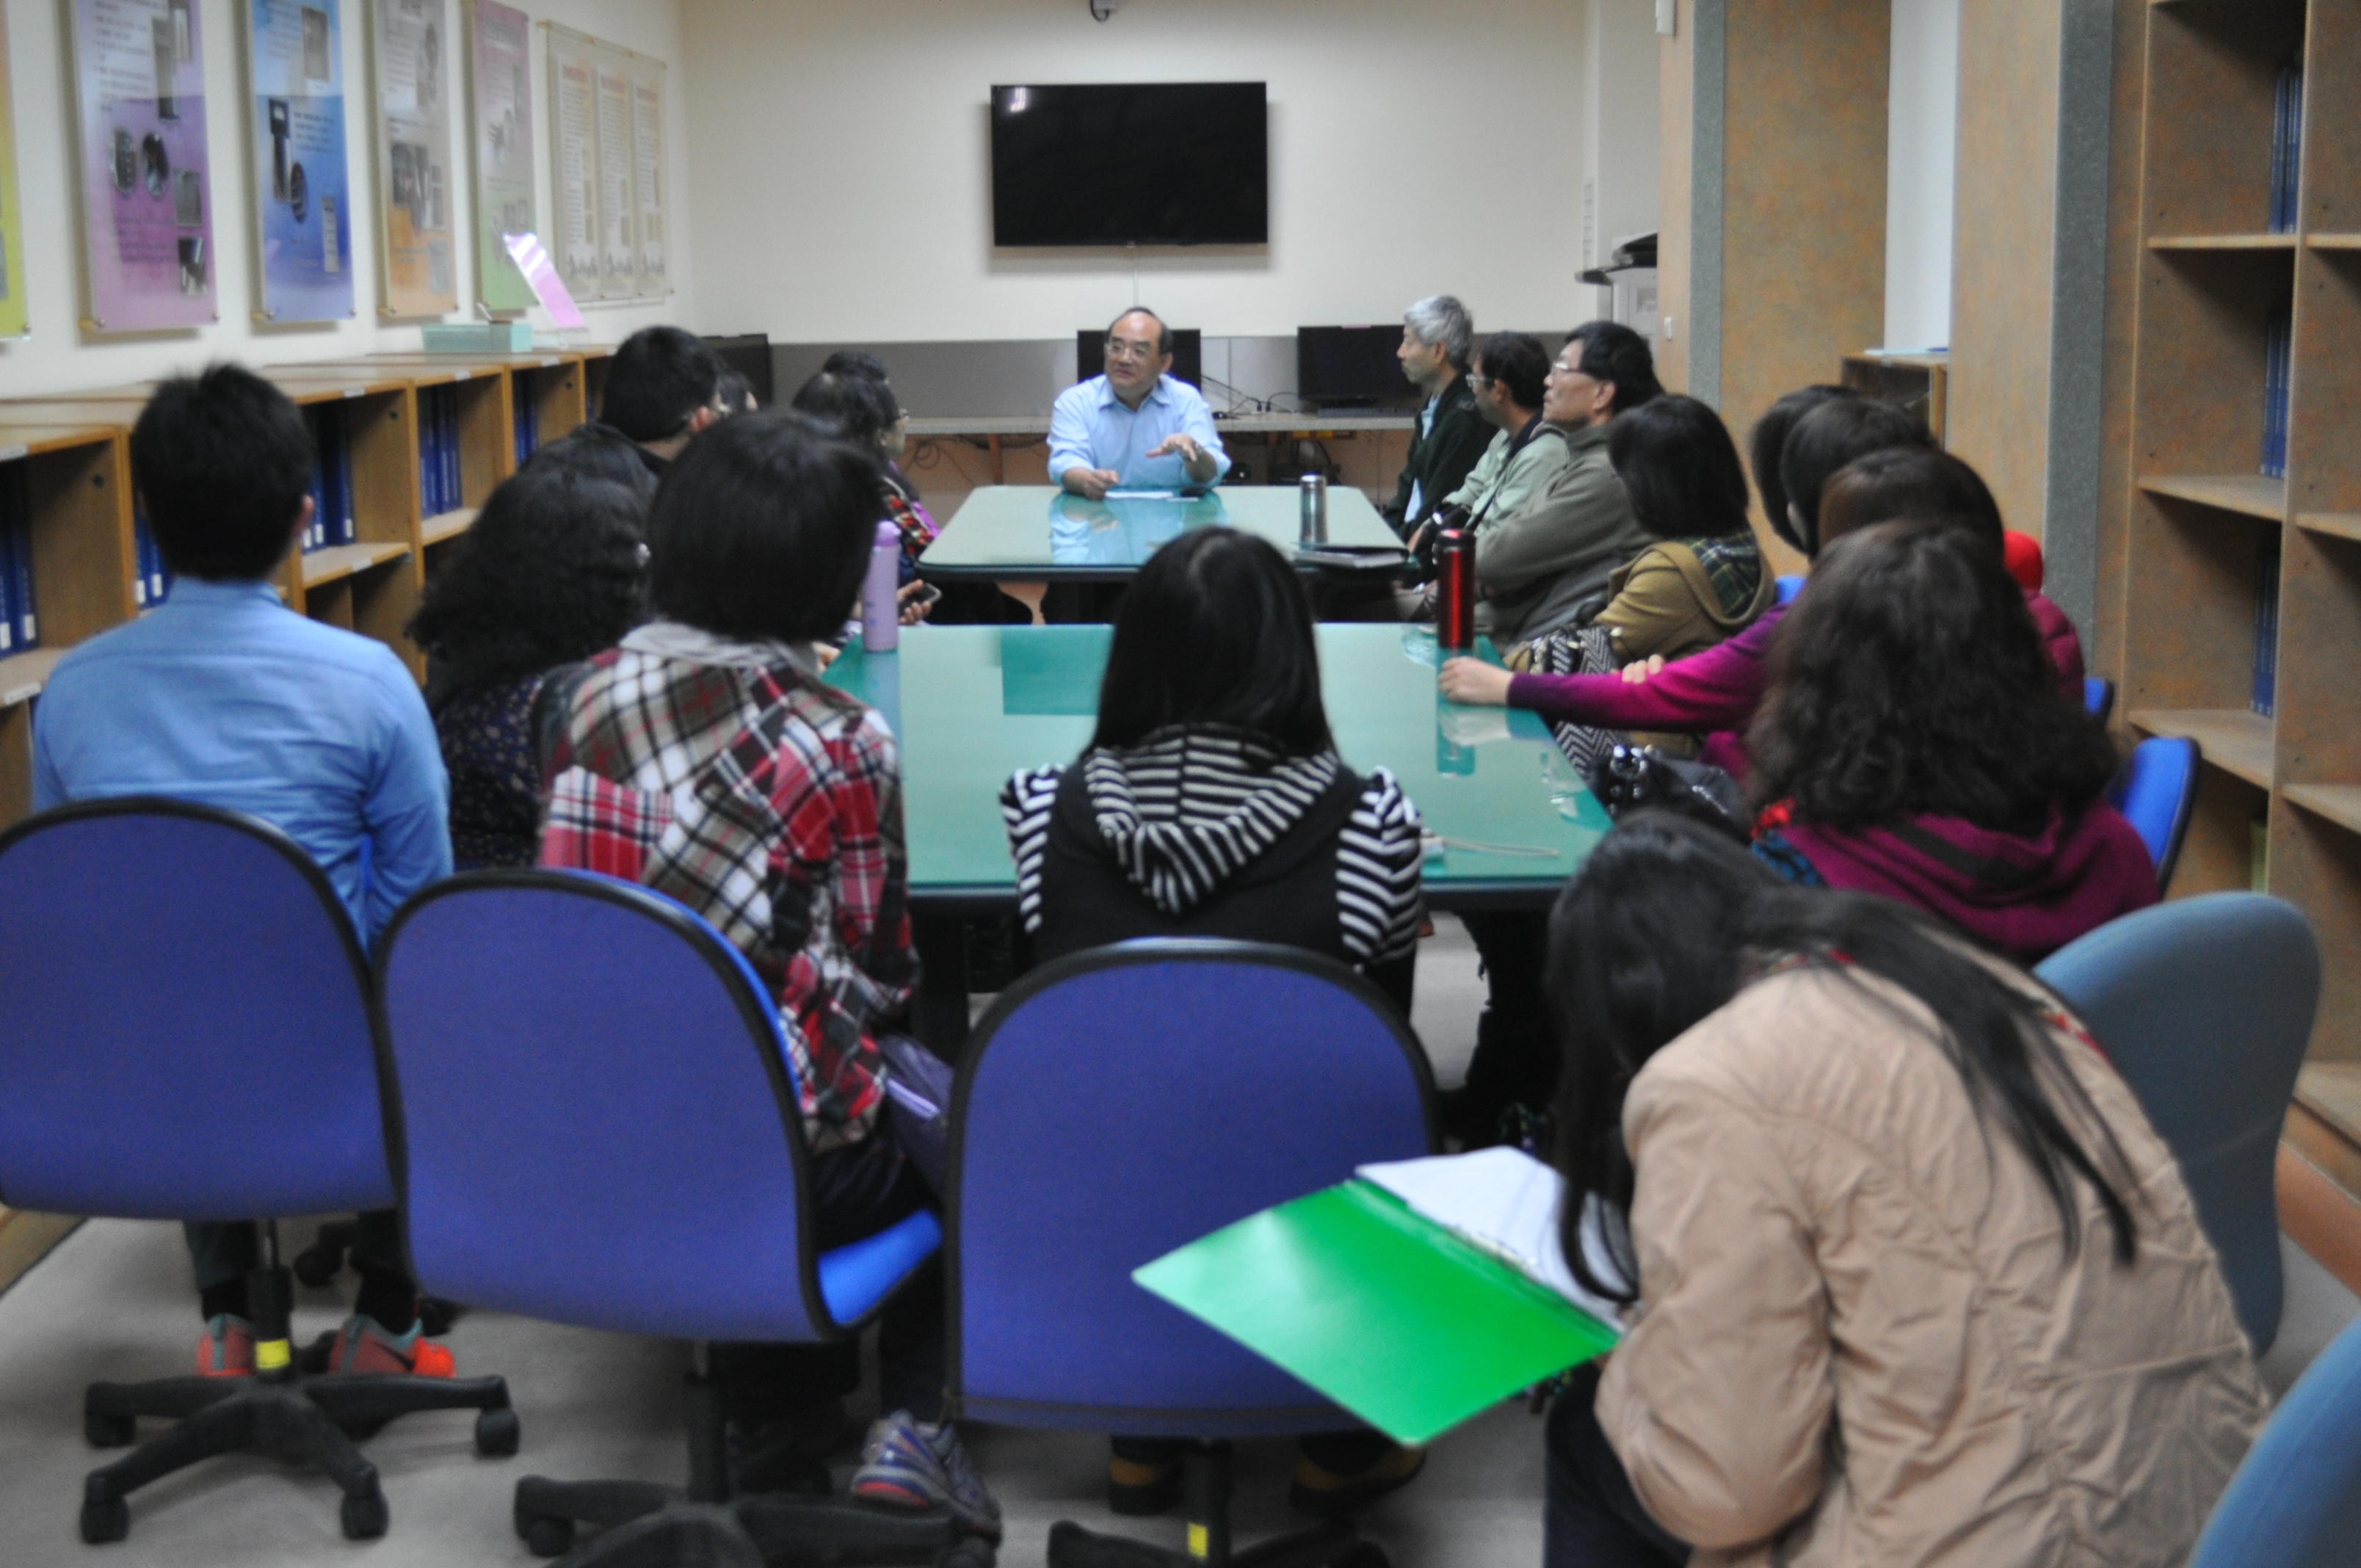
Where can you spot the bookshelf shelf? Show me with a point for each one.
(445, 527)
(327, 565)
(2222, 242)
(2340, 804)
(2251, 495)
(2334, 241)
(2236, 741)
(2334, 524)
(22, 675)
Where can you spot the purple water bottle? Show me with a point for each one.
(881, 606)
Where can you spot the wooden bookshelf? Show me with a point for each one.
(2209, 279)
(78, 481)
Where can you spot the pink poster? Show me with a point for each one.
(147, 194)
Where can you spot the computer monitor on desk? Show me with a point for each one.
(1350, 367)
(1187, 355)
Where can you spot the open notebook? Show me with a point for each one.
(1415, 1295)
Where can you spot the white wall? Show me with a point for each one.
(1620, 162)
(57, 357)
(1922, 136)
(842, 176)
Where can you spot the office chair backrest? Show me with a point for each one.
(1119, 1103)
(593, 1118)
(2099, 697)
(2296, 1501)
(1788, 587)
(2205, 1006)
(185, 1025)
(2157, 793)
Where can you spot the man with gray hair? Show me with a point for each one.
(1438, 337)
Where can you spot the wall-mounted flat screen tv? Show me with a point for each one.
(1133, 163)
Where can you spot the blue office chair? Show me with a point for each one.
(1788, 587)
(2157, 793)
(2099, 697)
(1114, 1105)
(2296, 1501)
(594, 1121)
(2205, 1006)
(186, 1036)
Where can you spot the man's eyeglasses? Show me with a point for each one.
(1116, 348)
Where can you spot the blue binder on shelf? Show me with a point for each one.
(16, 560)
(7, 566)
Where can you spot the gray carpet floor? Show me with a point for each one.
(113, 1301)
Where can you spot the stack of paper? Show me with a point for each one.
(1416, 1295)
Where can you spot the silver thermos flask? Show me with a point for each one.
(1316, 510)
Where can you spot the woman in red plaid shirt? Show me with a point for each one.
(704, 759)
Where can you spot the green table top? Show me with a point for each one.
(1041, 531)
(970, 705)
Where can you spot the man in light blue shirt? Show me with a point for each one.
(223, 696)
(1135, 428)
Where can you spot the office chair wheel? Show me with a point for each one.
(107, 1430)
(973, 1552)
(546, 1536)
(1368, 1554)
(317, 1265)
(496, 1433)
(364, 1517)
(104, 1523)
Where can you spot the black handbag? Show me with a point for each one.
(1640, 778)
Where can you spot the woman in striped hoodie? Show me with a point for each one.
(1211, 802)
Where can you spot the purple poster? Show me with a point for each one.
(148, 194)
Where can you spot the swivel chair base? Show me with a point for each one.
(296, 1419)
(647, 1526)
(308, 1422)
(1205, 1477)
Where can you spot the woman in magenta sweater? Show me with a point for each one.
(1715, 693)
(1914, 743)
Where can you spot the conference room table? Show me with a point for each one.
(1044, 534)
(1509, 818)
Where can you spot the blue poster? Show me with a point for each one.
(303, 214)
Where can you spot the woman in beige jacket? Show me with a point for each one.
(1918, 1283)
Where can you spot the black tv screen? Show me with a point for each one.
(1135, 163)
(1350, 365)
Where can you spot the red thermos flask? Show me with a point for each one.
(1454, 613)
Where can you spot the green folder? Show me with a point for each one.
(1410, 1326)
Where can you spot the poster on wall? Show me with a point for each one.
(500, 73)
(302, 208)
(12, 229)
(139, 85)
(606, 122)
(647, 173)
(574, 137)
(619, 264)
(414, 64)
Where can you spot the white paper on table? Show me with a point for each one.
(1507, 1203)
(1146, 496)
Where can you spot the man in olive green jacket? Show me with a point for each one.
(1556, 528)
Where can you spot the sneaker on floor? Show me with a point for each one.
(1322, 1491)
(1137, 1490)
(910, 1463)
(227, 1349)
(363, 1345)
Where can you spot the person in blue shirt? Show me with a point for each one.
(1135, 428)
(223, 697)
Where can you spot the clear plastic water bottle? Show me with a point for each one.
(880, 605)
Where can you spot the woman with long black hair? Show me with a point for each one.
(1211, 802)
(1916, 1281)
